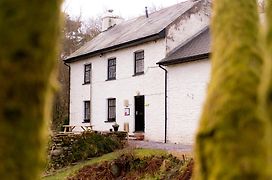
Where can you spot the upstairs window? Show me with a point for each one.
(139, 62)
(112, 69)
(87, 111)
(112, 110)
(87, 73)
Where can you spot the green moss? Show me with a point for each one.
(149, 152)
(231, 142)
(28, 53)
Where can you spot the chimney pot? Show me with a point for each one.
(109, 20)
(146, 12)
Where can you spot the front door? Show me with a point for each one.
(139, 114)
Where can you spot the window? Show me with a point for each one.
(87, 73)
(112, 68)
(87, 111)
(139, 62)
(111, 110)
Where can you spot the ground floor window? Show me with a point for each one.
(111, 109)
(87, 111)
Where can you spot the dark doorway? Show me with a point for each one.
(139, 114)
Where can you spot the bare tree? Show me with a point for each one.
(261, 5)
(75, 34)
(154, 8)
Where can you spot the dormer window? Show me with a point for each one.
(87, 73)
(139, 62)
(111, 68)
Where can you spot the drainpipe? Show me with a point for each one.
(165, 103)
(69, 67)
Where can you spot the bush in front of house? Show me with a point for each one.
(71, 148)
(131, 166)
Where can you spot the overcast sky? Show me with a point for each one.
(126, 8)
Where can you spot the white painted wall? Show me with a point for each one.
(186, 94)
(78, 93)
(125, 87)
(186, 88)
(187, 85)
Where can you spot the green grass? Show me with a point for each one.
(66, 172)
(149, 152)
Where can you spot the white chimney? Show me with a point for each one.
(109, 20)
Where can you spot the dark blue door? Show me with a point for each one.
(139, 114)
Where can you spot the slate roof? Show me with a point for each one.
(132, 31)
(196, 48)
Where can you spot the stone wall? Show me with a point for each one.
(66, 149)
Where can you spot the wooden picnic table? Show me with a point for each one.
(70, 128)
(86, 128)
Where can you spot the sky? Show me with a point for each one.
(125, 8)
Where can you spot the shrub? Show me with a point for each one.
(67, 149)
(130, 166)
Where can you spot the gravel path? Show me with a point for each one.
(163, 146)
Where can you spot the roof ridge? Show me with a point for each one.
(163, 9)
(133, 31)
(172, 6)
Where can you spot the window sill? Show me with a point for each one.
(109, 121)
(86, 83)
(138, 74)
(111, 79)
(86, 121)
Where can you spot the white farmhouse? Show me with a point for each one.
(150, 72)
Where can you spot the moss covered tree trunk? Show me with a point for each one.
(268, 53)
(231, 140)
(269, 26)
(267, 77)
(28, 34)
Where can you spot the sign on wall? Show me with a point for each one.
(127, 111)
